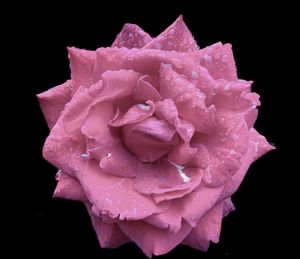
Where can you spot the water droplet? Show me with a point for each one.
(143, 106)
(195, 75)
(207, 57)
(157, 45)
(84, 155)
(172, 31)
(58, 174)
(168, 77)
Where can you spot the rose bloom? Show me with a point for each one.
(154, 135)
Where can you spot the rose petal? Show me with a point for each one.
(163, 176)
(190, 101)
(208, 229)
(176, 37)
(219, 61)
(156, 135)
(119, 162)
(258, 146)
(109, 234)
(170, 195)
(82, 64)
(145, 91)
(108, 59)
(227, 207)
(226, 145)
(68, 188)
(131, 36)
(53, 101)
(166, 110)
(112, 195)
(235, 96)
(194, 205)
(182, 153)
(152, 240)
(136, 113)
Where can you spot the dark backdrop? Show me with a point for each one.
(52, 228)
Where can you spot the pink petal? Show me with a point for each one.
(82, 64)
(258, 146)
(227, 207)
(226, 145)
(176, 37)
(219, 61)
(131, 36)
(152, 240)
(167, 110)
(120, 162)
(182, 153)
(68, 188)
(112, 195)
(145, 91)
(208, 229)
(189, 100)
(162, 177)
(170, 195)
(109, 234)
(108, 59)
(194, 205)
(117, 84)
(235, 96)
(156, 135)
(95, 124)
(53, 101)
(136, 113)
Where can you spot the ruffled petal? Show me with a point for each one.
(82, 64)
(136, 113)
(119, 162)
(150, 139)
(53, 101)
(226, 145)
(163, 176)
(219, 61)
(258, 146)
(153, 240)
(111, 195)
(145, 91)
(109, 234)
(108, 59)
(166, 110)
(190, 101)
(131, 36)
(182, 154)
(176, 37)
(193, 206)
(208, 229)
(68, 188)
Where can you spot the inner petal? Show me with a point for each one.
(150, 139)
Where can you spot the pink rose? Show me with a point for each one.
(154, 135)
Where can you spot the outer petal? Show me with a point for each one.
(258, 146)
(108, 234)
(68, 188)
(176, 37)
(54, 100)
(152, 240)
(111, 195)
(189, 100)
(219, 61)
(82, 64)
(208, 229)
(131, 36)
(226, 145)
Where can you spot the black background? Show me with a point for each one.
(261, 39)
